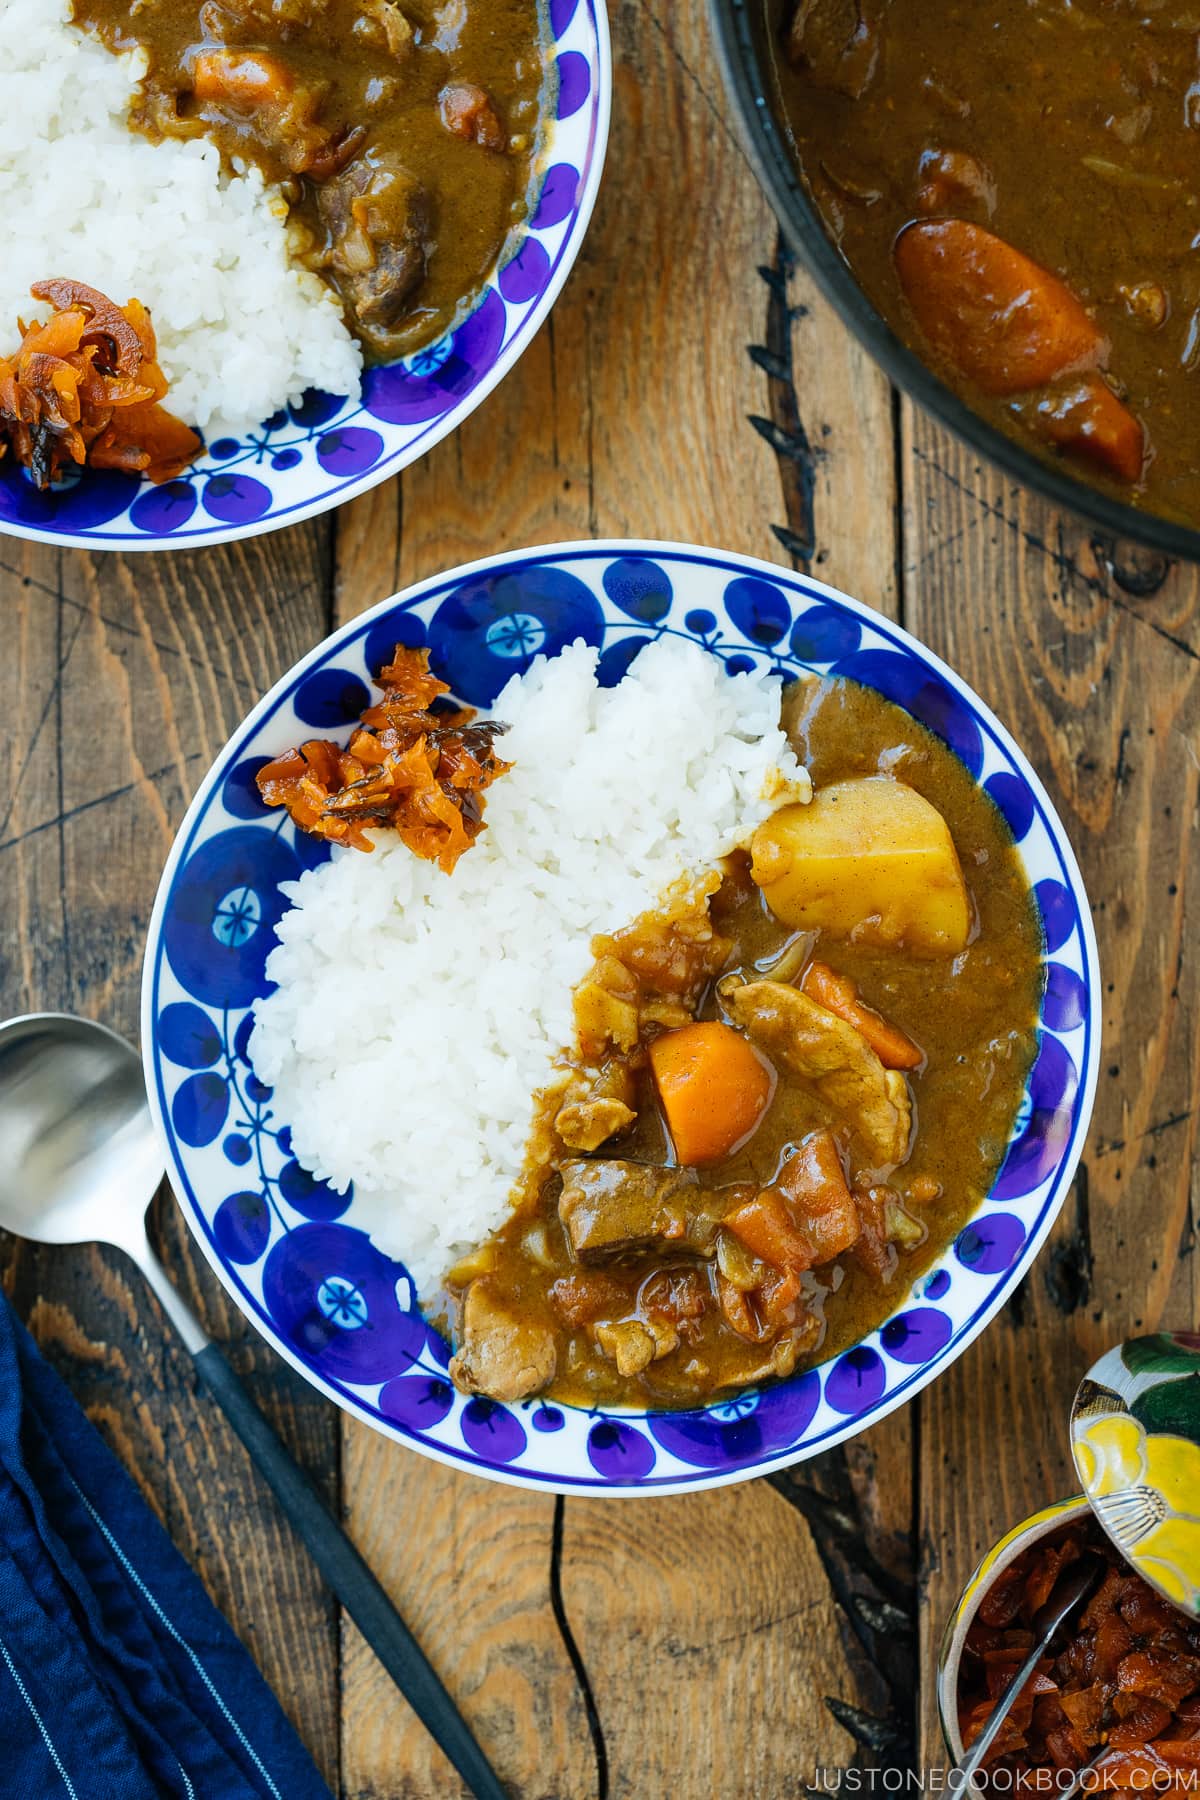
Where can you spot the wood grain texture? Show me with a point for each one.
(833, 420)
(124, 677)
(633, 413)
(1090, 652)
(691, 384)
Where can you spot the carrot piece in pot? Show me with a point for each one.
(1088, 421)
(1006, 322)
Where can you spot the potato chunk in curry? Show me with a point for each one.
(868, 859)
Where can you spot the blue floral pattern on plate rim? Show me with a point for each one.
(327, 449)
(287, 1247)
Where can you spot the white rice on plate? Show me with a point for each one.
(239, 329)
(417, 1014)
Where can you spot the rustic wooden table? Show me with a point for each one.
(690, 385)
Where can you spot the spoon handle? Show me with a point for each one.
(350, 1578)
(998, 1714)
(339, 1562)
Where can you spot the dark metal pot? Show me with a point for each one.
(739, 29)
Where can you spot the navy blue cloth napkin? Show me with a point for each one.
(119, 1680)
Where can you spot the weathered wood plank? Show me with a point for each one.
(470, 1566)
(1090, 652)
(630, 414)
(833, 422)
(710, 1638)
(834, 409)
(124, 678)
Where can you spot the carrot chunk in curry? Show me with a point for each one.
(420, 773)
(85, 387)
(1004, 320)
(838, 994)
(713, 1087)
(1086, 418)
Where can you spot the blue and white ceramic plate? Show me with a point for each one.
(307, 458)
(289, 1249)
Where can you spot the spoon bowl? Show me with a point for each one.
(79, 1159)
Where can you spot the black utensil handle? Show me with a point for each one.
(350, 1578)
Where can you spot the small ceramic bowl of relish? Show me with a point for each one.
(1117, 1692)
(1122, 1676)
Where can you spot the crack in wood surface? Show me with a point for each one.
(1106, 1146)
(1125, 582)
(878, 1606)
(783, 428)
(34, 738)
(1061, 560)
(1068, 1267)
(582, 1679)
(1161, 631)
(717, 112)
(58, 820)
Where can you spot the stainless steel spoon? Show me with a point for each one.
(1073, 1587)
(80, 1163)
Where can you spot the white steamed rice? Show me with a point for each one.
(240, 330)
(417, 1014)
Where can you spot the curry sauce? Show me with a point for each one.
(1020, 171)
(405, 133)
(626, 1274)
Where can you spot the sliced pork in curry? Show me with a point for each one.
(791, 1083)
(500, 1353)
(813, 1043)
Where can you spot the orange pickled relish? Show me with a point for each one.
(85, 387)
(405, 768)
(1122, 1677)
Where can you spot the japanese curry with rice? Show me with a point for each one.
(405, 133)
(1013, 184)
(792, 1082)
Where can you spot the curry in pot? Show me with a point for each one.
(405, 132)
(1013, 184)
(793, 1083)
